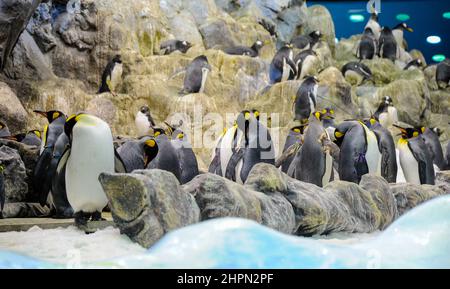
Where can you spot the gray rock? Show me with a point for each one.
(15, 15)
(319, 18)
(11, 110)
(147, 204)
(216, 32)
(14, 174)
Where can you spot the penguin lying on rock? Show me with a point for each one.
(307, 41)
(169, 46)
(252, 51)
(31, 138)
(356, 70)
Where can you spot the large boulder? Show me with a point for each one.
(14, 174)
(11, 110)
(146, 205)
(319, 18)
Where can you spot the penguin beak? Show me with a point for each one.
(409, 29)
(43, 113)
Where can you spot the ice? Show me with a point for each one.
(419, 239)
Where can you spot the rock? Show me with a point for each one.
(11, 110)
(409, 196)
(146, 205)
(417, 54)
(443, 180)
(430, 75)
(15, 177)
(341, 206)
(15, 15)
(319, 18)
(384, 71)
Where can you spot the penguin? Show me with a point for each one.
(306, 99)
(359, 153)
(356, 70)
(368, 45)
(387, 46)
(254, 146)
(50, 135)
(373, 25)
(252, 51)
(447, 156)
(291, 146)
(386, 113)
(307, 41)
(4, 130)
(186, 156)
(415, 63)
(60, 203)
(91, 152)
(137, 154)
(144, 121)
(166, 157)
(398, 32)
(313, 162)
(431, 139)
(169, 46)
(328, 121)
(304, 62)
(112, 75)
(386, 146)
(2, 191)
(282, 67)
(443, 73)
(196, 75)
(31, 138)
(415, 159)
(225, 148)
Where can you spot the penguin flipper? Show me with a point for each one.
(119, 166)
(231, 167)
(424, 161)
(292, 150)
(2, 193)
(40, 174)
(63, 160)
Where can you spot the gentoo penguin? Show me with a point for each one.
(169, 46)
(443, 73)
(57, 178)
(2, 191)
(282, 67)
(137, 154)
(91, 152)
(373, 25)
(386, 113)
(306, 99)
(196, 75)
(112, 75)
(186, 156)
(50, 135)
(387, 46)
(386, 146)
(356, 70)
(431, 139)
(4, 131)
(144, 121)
(368, 45)
(415, 159)
(292, 144)
(31, 138)
(359, 153)
(254, 146)
(415, 63)
(252, 51)
(307, 41)
(313, 162)
(304, 62)
(398, 30)
(166, 157)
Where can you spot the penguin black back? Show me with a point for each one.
(169, 46)
(443, 73)
(196, 74)
(107, 72)
(387, 44)
(305, 101)
(252, 51)
(368, 45)
(283, 60)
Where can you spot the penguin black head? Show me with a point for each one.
(403, 26)
(368, 31)
(409, 132)
(51, 115)
(299, 129)
(150, 151)
(184, 46)
(71, 121)
(256, 114)
(387, 100)
(157, 131)
(316, 35)
(117, 59)
(258, 45)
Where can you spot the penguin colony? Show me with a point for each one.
(75, 149)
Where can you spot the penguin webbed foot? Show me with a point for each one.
(81, 219)
(97, 216)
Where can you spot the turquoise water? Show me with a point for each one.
(419, 239)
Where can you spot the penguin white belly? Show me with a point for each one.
(385, 119)
(398, 35)
(238, 172)
(91, 153)
(307, 66)
(409, 164)
(392, 112)
(400, 175)
(328, 169)
(142, 124)
(204, 76)
(116, 76)
(373, 155)
(375, 27)
(286, 70)
(226, 149)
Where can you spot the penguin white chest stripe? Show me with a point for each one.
(204, 76)
(286, 70)
(307, 65)
(392, 111)
(409, 164)
(373, 155)
(91, 153)
(142, 124)
(116, 75)
(226, 148)
(328, 169)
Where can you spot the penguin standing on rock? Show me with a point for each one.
(144, 121)
(307, 41)
(304, 62)
(196, 75)
(431, 139)
(415, 159)
(356, 70)
(373, 25)
(31, 138)
(4, 131)
(252, 51)
(112, 75)
(186, 156)
(398, 33)
(388, 47)
(169, 46)
(386, 113)
(282, 67)
(443, 73)
(91, 153)
(306, 99)
(368, 45)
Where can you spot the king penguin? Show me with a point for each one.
(431, 139)
(144, 121)
(359, 153)
(386, 113)
(252, 51)
(388, 47)
(4, 130)
(31, 138)
(137, 154)
(415, 159)
(313, 162)
(282, 67)
(368, 45)
(112, 75)
(186, 156)
(306, 99)
(196, 75)
(91, 152)
(443, 73)
(292, 144)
